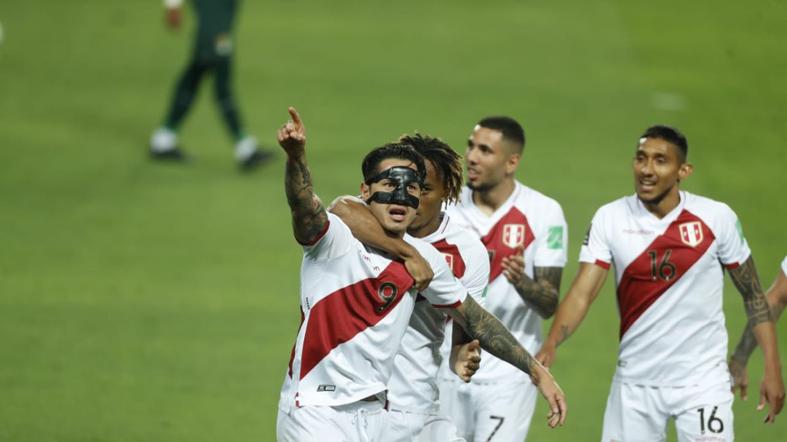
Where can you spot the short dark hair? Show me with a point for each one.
(511, 130)
(670, 135)
(391, 150)
(446, 161)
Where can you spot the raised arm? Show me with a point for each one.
(309, 218)
(761, 322)
(364, 226)
(586, 286)
(497, 340)
(540, 292)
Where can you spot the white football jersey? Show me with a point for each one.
(355, 306)
(528, 220)
(784, 266)
(413, 384)
(669, 280)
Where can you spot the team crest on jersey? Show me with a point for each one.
(449, 258)
(514, 235)
(691, 233)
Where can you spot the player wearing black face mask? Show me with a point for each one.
(404, 179)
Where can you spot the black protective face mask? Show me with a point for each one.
(401, 177)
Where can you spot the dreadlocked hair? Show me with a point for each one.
(446, 161)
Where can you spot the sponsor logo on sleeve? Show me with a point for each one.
(555, 237)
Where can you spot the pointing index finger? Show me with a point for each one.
(296, 118)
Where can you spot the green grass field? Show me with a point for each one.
(149, 302)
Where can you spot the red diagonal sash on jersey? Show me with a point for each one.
(687, 239)
(452, 256)
(511, 232)
(340, 316)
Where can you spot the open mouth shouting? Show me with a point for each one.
(397, 213)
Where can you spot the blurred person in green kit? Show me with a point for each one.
(212, 53)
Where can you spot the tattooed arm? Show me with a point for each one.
(308, 215)
(777, 300)
(497, 340)
(761, 322)
(586, 286)
(542, 291)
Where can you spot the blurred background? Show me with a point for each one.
(159, 302)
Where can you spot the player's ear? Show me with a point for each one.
(365, 191)
(685, 171)
(512, 163)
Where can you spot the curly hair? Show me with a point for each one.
(446, 161)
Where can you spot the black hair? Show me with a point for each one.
(446, 161)
(511, 130)
(670, 135)
(402, 151)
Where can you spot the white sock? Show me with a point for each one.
(163, 139)
(245, 148)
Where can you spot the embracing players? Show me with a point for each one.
(356, 302)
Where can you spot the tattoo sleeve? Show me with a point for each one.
(748, 342)
(492, 334)
(542, 292)
(308, 215)
(748, 284)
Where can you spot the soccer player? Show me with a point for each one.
(356, 302)
(412, 390)
(777, 300)
(212, 53)
(525, 234)
(669, 248)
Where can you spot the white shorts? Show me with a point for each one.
(637, 413)
(357, 422)
(406, 426)
(494, 412)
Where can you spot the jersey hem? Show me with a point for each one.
(371, 391)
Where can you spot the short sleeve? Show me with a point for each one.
(476, 277)
(784, 266)
(444, 290)
(733, 249)
(595, 248)
(335, 240)
(552, 242)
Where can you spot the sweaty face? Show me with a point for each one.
(394, 218)
(486, 157)
(432, 195)
(657, 170)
